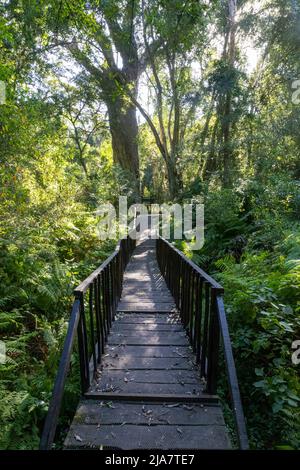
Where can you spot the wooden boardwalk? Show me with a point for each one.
(148, 392)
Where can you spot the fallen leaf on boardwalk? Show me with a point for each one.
(163, 420)
(179, 430)
(110, 405)
(181, 355)
(189, 408)
(78, 438)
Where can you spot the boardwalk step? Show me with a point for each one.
(130, 362)
(149, 376)
(141, 307)
(134, 436)
(119, 412)
(156, 339)
(156, 318)
(149, 351)
(140, 389)
(142, 328)
(159, 397)
(146, 425)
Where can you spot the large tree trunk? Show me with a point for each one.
(227, 150)
(210, 165)
(124, 133)
(174, 180)
(227, 118)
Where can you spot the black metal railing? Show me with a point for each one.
(91, 317)
(199, 299)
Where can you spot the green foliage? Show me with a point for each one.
(48, 243)
(262, 297)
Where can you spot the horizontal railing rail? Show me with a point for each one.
(91, 318)
(199, 300)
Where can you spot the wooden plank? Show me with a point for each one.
(154, 340)
(150, 376)
(148, 388)
(129, 362)
(156, 306)
(143, 289)
(146, 293)
(150, 298)
(137, 328)
(149, 351)
(147, 334)
(101, 412)
(157, 318)
(148, 437)
(142, 308)
(154, 397)
(145, 281)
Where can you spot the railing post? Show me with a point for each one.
(100, 339)
(205, 329)
(213, 345)
(198, 332)
(232, 377)
(104, 305)
(92, 334)
(196, 324)
(83, 346)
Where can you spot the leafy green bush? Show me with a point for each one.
(262, 299)
(252, 246)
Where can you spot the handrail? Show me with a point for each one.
(200, 271)
(59, 385)
(232, 377)
(98, 294)
(199, 300)
(83, 286)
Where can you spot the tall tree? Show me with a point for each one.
(226, 94)
(103, 38)
(179, 26)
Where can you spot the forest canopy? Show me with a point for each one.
(170, 100)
